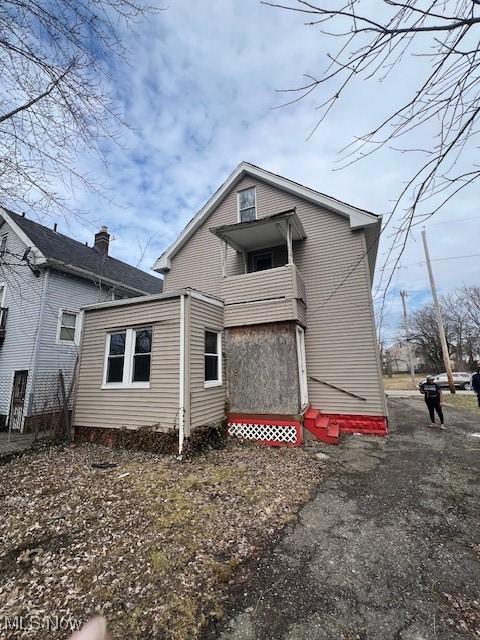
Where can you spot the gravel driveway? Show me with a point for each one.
(389, 547)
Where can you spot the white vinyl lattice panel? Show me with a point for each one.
(257, 431)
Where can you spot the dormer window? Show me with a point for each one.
(247, 205)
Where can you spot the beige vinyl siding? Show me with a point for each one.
(260, 285)
(263, 311)
(263, 296)
(207, 405)
(129, 407)
(340, 336)
(301, 312)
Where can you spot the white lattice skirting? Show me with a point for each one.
(264, 432)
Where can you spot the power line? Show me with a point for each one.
(454, 221)
(416, 264)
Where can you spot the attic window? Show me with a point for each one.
(247, 205)
(3, 245)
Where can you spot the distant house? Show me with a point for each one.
(396, 359)
(45, 279)
(266, 319)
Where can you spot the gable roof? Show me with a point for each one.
(358, 218)
(66, 254)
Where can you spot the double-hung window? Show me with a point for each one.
(3, 245)
(247, 205)
(128, 357)
(68, 327)
(213, 358)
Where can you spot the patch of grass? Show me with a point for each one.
(400, 381)
(224, 570)
(462, 402)
(159, 560)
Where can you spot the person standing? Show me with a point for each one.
(476, 383)
(433, 400)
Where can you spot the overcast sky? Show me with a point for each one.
(199, 94)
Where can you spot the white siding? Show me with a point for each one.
(23, 299)
(64, 291)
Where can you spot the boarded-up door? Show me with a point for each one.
(18, 400)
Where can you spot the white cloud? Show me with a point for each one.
(199, 94)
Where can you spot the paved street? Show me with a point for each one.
(388, 548)
(414, 393)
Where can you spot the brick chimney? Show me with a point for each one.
(102, 240)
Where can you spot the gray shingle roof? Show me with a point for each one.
(59, 247)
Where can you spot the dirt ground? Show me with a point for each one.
(389, 548)
(151, 543)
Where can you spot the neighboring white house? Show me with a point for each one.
(396, 357)
(45, 278)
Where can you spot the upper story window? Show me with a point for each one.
(3, 244)
(262, 261)
(68, 328)
(213, 358)
(247, 205)
(128, 355)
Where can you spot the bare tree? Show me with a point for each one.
(394, 41)
(471, 302)
(462, 327)
(56, 96)
(426, 339)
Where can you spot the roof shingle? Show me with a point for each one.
(59, 247)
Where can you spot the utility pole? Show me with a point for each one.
(441, 329)
(403, 294)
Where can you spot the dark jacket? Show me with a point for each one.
(430, 390)
(476, 382)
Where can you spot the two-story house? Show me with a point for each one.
(45, 278)
(266, 316)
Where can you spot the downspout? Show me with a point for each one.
(181, 399)
(184, 381)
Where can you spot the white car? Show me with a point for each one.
(461, 380)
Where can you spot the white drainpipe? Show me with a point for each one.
(181, 400)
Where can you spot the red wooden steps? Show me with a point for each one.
(321, 427)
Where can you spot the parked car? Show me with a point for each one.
(461, 380)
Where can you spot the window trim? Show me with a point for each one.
(128, 355)
(208, 384)
(239, 216)
(3, 296)
(78, 326)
